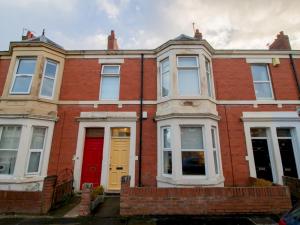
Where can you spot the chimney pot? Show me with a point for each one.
(198, 35)
(112, 43)
(281, 42)
(29, 35)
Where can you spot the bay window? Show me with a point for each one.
(262, 81)
(9, 144)
(208, 78)
(215, 148)
(23, 76)
(48, 81)
(110, 82)
(188, 75)
(165, 77)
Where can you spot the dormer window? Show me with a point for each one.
(165, 77)
(24, 73)
(188, 75)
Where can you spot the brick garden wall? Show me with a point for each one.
(38, 202)
(203, 201)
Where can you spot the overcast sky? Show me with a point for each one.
(79, 24)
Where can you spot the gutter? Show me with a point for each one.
(295, 73)
(141, 120)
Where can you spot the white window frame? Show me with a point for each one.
(161, 77)
(51, 78)
(36, 150)
(194, 150)
(188, 68)
(16, 150)
(209, 78)
(215, 149)
(166, 150)
(22, 75)
(109, 75)
(269, 81)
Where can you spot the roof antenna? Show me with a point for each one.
(193, 27)
(43, 32)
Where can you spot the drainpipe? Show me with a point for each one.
(141, 119)
(295, 73)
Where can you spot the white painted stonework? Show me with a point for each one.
(271, 121)
(107, 125)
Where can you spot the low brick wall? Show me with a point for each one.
(293, 184)
(38, 202)
(203, 201)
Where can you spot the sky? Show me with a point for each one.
(146, 24)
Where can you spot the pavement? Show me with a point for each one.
(108, 214)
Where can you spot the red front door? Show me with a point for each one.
(92, 161)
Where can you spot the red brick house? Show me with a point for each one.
(181, 115)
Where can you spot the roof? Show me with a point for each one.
(44, 39)
(183, 37)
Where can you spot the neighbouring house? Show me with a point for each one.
(181, 115)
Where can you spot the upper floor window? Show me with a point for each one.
(165, 77)
(262, 82)
(208, 78)
(48, 82)
(110, 82)
(188, 75)
(23, 76)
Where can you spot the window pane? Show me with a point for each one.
(188, 82)
(167, 138)
(208, 78)
(10, 137)
(7, 162)
(47, 88)
(110, 88)
(38, 136)
(263, 90)
(50, 70)
(167, 162)
(216, 162)
(165, 84)
(165, 65)
(259, 73)
(120, 132)
(284, 132)
(213, 136)
(193, 163)
(187, 61)
(191, 138)
(34, 162)
(258, 132)
(26, 66)
(111, 69)
(22, 84)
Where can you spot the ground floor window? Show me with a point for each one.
(188, 152)
(24, 147)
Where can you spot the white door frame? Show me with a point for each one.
(107, 125)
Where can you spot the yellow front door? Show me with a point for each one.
(119, 157)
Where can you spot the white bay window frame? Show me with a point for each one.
(177, 178)
(163, 74)
(166, 149)
(192, 68)
(49, 78)
(19, 75)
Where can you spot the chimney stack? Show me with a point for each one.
(198, 35)
(112, 43)
(281, 42)
(29, 35)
